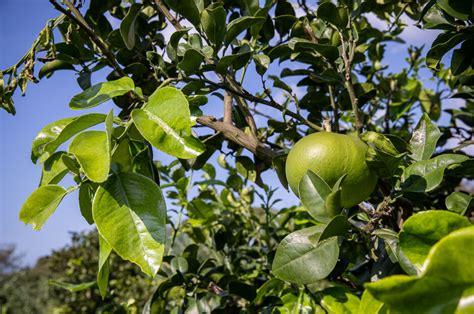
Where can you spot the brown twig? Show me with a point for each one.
(76, 16)
(239, 137)
(164, 10)
(244, 94)
(348, 83)
(227, 108)
(334, 109)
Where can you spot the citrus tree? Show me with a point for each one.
(384, 188)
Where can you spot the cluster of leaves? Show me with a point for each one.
(323, 255)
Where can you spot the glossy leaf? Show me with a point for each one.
(54, 66)
(130, 214)
(246, 168)
(41, 204)
(442, 44)
(127, 26)
(240, 24)
(213, 21)
(426, 175)
(54, 169)
(338, 226)
(102, 92)
(72, 287)
(313, 191)
(103, 274)
(445, 285)
(191, 61)
(327, 51)
(368, 304)
(421, 231)
(328, 12)
(458, 202)
(86, 194)
(424, 139)
(190, 9)
(166, 123)
(302, 259)
(58, 132)
(92, 151)
(338, 300)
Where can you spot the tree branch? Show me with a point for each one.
(239, 137)
(349, 86)
(227, 108)
(164, 10)
(244, 94)
(79, 19)
(334, 108)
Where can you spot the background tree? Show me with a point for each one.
(410, 225)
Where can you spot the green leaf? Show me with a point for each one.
(92, 151)
(279, 163)
(54, 134)
(313, 191)
(422, 230)
(191, 61)
(442, 44)
(424, 139)
(262, 63)
(445, 285)
(338, 300)
(103, 274)
(41, 204)
(382, 156)
(166, 123)
(102, 92)
(426, 175)
(189, 9)
(458, 202)
(338, 226)
(234, 61)
(328, 12)
(327, 51)
(460, 61)
(130, 214)
(302, 259)
(86, 194)
(213, 21)
(237, 26)
(172, 46)
(54, 169)
(246, 168)
(368, 304)
(70, 286)
(459, 9)
(54, 66)
(127, 26)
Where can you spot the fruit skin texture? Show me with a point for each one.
(331, 155)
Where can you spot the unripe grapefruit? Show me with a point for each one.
(331, 155)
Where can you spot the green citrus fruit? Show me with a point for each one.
(331, 155)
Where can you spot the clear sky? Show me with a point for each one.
(20, 22)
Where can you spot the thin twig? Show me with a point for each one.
(76, 16)
(244, 94)
(227, 107)
(350, 86)
(334, 109)
(239, 137)
(164, 10)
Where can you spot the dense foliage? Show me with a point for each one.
(212, 239)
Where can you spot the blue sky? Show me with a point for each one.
(20, 22)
